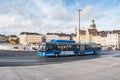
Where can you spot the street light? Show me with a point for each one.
(79, 24)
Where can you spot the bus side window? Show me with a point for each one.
(64, 48)
(56, 47)
(69, 47)
(59, 47)
(89, 47)
(86, 47)
(76, 47)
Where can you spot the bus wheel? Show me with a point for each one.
(56, 54)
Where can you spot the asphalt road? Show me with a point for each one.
(28, 66)
(23, 58)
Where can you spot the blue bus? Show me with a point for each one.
(66, 47)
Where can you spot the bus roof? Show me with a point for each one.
(62, 41)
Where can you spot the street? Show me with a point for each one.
(104, 66)
(22, 58)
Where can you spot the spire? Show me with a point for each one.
(93, 25)
(92, 13)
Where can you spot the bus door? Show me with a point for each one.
(49, 50)
(82, 49)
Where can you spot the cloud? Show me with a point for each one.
(109, 19)
(52, 16)
(14, 24)
(6, 20)
(87, 12)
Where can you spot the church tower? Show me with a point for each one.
(93, 30)
(93, 25)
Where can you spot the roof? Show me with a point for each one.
(59, 34)
(29, 33)
(2, 35)
(93, 31)
(104, 33)
(83, 32)
(12, 36)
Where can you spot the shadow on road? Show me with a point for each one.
(36, 60)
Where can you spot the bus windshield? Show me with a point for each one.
(42, 48)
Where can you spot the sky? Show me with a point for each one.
(56, 16)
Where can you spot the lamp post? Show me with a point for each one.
(79, 23)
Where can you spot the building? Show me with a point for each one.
(27, 38)
(113, 40)
(107, 39)
(13, 39)
(92, 35)
(61, 36)
(3, 39)
(83, 36)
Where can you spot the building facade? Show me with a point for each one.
(113, 40)
(3, 39)
(27, 38)
(13, 39)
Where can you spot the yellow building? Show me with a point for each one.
(30, 38)
(13, 39)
